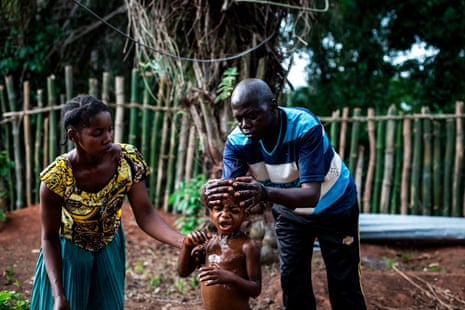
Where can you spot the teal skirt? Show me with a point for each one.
(91, 280)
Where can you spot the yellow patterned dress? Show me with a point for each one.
(93, 244)
(90, 220)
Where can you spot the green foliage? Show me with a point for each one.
(5, 164)
(139, 268)
(10, 273)
(30, 57)
(39, 39)
(154, 66)
(353, 44)
(2, 215)
(389, 262)
(11, 300)
(180, 285)
(227, 84)
(186, 200)
(194, 282)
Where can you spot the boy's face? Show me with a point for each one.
(227, 217)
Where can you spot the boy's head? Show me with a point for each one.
(228, 216)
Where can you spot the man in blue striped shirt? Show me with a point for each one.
(283, 156)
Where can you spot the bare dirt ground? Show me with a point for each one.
(394, 276)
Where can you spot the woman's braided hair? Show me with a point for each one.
(77, 113)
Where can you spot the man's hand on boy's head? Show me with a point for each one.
(249, 191)
(215, 191)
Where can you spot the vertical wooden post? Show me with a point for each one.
(93, 87)
(155, 152)
(119, 114)
(133, 110)
(388, 162)
(448, 168)
(416, 167)
(16, 144)
(144, 144)
(359, 172)
(334, 127)
(69, 82)
(371, 162)
(190, 156)
(426, 193)
(52, 119)
(406, 166)
(394, 207)
(342, 133)
(354, 141)
(27, 141)
(437, 168)
(457, 195)
(106, 81)
(380, 134)
(38, 146)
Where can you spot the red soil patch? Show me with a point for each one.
(394, 277)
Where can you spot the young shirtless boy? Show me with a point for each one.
(230, 271)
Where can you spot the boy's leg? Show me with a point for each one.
(295, 245)
(340, 247)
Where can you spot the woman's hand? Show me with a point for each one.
(61, 303)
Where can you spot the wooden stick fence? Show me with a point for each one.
(402, 163)
(33, 137)
(412, 167)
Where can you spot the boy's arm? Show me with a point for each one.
(191, 253)
(254, 271)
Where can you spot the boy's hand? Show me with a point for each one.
(195, 238)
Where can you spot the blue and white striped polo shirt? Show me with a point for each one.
(302, 154)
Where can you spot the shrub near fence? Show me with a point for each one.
(402, 163)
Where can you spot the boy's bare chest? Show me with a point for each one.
(228, 254)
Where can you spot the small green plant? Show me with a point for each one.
(11, 300)
(157, 279)
(434, 267)
(5, 165)
(389, 262)
(194, 282)
(154, 284)
(10, 273)
(2, 215)
(139, 268)
(406, 257)
(186, 200)
(227, 84)
(180, 285)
